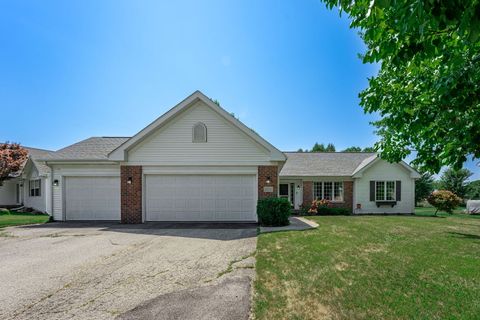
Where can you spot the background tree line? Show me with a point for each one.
(330, 147)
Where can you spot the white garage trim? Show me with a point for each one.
(92, 198)
(217, 206)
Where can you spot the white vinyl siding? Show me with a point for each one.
(8, 193)
(385, 171)
(35, 191)
(200, 197)
(172, 144)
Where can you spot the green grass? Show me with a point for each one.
(371, 267)
(15, 219)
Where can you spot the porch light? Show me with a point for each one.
(298, 187)
(129, 180)
(268, 180)
(55, 183)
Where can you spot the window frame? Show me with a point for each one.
(35, 188)
(385, 197)
(204, 128)
(322, 190)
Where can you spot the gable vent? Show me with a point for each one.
(199, 132)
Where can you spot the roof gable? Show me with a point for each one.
(372, 162)
(121, 153)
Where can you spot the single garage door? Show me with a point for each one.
(200, 198)
(92, 198)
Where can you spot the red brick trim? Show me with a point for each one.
(265, 172)
(347, 195)
(131, 194)
(307, 193)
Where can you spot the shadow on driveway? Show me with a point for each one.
(214, 231)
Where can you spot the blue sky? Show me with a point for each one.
(288, 69)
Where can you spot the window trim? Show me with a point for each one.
(204, 128)
(385, 191)
(35, 188)
(342, 194)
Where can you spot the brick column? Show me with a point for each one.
(307, 193)
(131, 194)
(265, 172)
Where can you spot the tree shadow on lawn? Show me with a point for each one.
(465, 235)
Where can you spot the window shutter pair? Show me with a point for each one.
(398, 190)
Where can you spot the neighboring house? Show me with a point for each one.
(31, 186)
(358, 181)
(198, 163)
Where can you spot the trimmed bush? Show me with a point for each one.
(324, 208)
(444, 200)
(273, 212)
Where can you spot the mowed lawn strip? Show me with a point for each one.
(371, 267)
(15, 219)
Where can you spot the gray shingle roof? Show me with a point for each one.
(35, 154)
(324, 164)
(94, 148)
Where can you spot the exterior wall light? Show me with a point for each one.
(129, 180)
(268, 180)
(55, 183)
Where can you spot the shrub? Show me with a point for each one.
(444, 200)
(273, 212)
(324, 207)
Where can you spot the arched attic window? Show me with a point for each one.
(199, 132)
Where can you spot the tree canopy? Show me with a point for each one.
(12, 158)
(423, 187)
(455, 181)
(428, 88)
(358, 149)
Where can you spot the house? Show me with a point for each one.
(199, 163)
(360, 182)
(31, 186)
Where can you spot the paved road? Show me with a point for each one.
(92, 271)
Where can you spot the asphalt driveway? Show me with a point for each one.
(106, 271)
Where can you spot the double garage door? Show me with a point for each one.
(200, 197)
(167, 198)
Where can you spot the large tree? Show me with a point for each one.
(423, 187)
(473, 190)
(455, 181)
(318, 147)
(428, 88)
(12, 158)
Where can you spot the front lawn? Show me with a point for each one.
(371, 267)
(15, 219)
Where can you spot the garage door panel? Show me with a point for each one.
(200, 197)
(92, 198)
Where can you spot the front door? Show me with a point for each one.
(292, 190)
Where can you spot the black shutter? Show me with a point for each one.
(399, 190)
(39, 187)
(372, 190)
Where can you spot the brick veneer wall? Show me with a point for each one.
(307, 193)
(131, 194)
(347, 195)
(265, 172)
